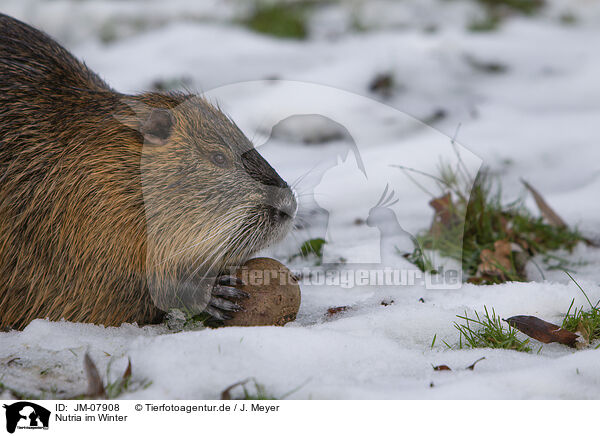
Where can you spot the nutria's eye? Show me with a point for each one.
(219, 159)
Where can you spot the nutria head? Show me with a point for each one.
(204, 182)
(211, 200)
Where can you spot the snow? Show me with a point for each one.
(537, 120)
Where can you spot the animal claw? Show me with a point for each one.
(217, 314)
(223, 304)
(230, 281)
(229, 292)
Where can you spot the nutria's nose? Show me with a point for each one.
(281, 205)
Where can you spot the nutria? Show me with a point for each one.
(116, 208)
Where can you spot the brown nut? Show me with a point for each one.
(274, 294)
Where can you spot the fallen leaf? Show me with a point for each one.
(541, 330)
(442, 368)
(547, 212)
(95, 385)
(333, 310)
(496, 263)
(127, 373)
(442, 206)
(444, 215)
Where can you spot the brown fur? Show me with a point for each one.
(88, 213)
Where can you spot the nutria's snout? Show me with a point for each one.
(280, 210)
(279, 200)
(283, 207)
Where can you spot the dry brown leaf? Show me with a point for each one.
(127, 373)
(334, 310)
(444, 215)
(442, 368)
(542, 331)
(443, 207)
(447, 368)
(496, 263)
(502, 248)
(547, 212)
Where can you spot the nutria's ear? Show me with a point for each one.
(157, 127)
(155, 124)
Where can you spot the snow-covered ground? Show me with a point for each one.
(527, 99)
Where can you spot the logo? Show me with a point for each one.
(26, 415)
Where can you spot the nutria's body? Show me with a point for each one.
(107, 199)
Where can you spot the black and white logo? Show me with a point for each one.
(26, 415)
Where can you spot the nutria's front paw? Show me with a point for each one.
(224, 291)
